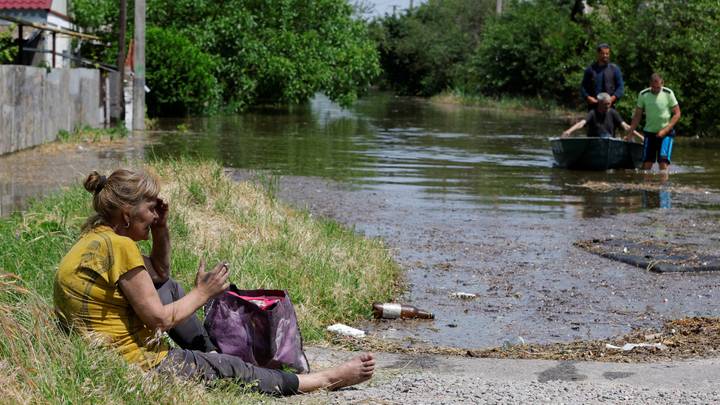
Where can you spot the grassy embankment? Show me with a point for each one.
(527, 105)
(332, 275)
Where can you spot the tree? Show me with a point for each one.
(422, 50)
(676, 38)
(264, 50)
(530, 50)
(180, 76)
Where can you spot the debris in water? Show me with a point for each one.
(654, 255)
(463, 295)
(629, 346)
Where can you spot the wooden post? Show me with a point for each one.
(18, 58)
(498, 7)
(54, 50)
(139, 68)
(121, 59)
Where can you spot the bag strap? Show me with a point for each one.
(262, 302)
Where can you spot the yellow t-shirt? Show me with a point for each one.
(87, 295)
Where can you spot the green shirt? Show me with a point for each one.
(657, 107)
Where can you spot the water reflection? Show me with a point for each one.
(490, 161)
(42, 170)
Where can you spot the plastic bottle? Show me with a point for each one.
(394, 311)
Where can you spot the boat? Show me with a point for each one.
(586, 153)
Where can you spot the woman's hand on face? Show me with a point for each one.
(213, 282)
(161, 209)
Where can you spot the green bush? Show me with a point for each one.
(421, 50)
(8, 46)
(676, 39)
(266, 51)
(530, 50)
(180, 76)
(287, 50)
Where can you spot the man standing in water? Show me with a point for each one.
(602, 77)
(662, 112)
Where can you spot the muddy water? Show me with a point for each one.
(36, 172)
(469, 202)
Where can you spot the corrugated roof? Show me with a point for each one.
(25, 4)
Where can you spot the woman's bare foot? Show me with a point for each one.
(355, 371)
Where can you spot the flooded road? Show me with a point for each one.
(33, 173)
(469, 202)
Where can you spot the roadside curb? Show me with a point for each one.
(695, 375)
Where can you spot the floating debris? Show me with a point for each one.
(653, 255)
(603, 186)
(342, 329)
(687, 338)
(463, 295)
(629, 346)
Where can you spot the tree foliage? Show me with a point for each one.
(679, 40)
(263, 50)
(531, 49)
(8, 46)
(422, 50)
(540, 48)
(180, 76)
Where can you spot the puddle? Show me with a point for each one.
(39, 171)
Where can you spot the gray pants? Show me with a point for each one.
(192, 359)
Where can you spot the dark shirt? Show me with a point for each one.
(594, 83)
(602, 124)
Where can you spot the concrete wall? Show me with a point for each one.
(35, 104)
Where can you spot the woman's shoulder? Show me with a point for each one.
(108, 235)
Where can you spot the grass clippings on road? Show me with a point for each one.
(682, 339)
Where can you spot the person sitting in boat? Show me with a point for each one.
(602, 121)
(106, 288)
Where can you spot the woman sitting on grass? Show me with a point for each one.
(106, 288)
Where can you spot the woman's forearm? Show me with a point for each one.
(178, 311)
(160, 254)
(138, 288)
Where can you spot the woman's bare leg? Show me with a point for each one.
(353, 372)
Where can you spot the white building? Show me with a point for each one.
(51, 46)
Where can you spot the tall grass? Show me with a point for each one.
(88, 134)
(535, 105)
(332, 275)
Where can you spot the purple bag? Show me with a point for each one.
(259, 326)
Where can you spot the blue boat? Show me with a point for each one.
(585, 153)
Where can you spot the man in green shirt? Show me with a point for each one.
(662, 112)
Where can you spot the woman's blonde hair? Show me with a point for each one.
(123, 188)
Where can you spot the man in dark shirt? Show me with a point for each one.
(602, 121)
(602, 77)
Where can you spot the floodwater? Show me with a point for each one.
(469, 202)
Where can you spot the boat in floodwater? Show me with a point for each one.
(585, 153)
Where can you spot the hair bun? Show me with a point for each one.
(95, 182)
